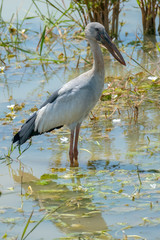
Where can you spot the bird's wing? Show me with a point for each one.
(73, 103)
(28, 128)
(51, 99)
(70, 107)
(66, 106)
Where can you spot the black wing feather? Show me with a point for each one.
(27, 129)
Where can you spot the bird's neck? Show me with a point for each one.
(98, 65)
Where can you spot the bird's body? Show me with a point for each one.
(69, 108)
(71, 104)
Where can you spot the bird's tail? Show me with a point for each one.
(26, 131)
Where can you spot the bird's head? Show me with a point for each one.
(95, 31)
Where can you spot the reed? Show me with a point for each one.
(105, 11)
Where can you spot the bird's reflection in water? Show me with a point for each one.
(77, 212)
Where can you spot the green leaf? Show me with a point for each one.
(42, 40)
(48, 176)
(106, 97)
(24, 231)
(43, 182)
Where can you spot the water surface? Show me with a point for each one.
(115, 191)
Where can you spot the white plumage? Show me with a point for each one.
(71, 104)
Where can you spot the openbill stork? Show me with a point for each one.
(71, 104)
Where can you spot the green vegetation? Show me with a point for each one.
(105, 12)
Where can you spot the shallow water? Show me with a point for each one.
(113, 194)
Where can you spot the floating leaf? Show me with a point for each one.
(52, 191)
(10, 220)
(58, 169)
(11, 189)
(34, 109)
(4, 236)
(43, 182)
(49, 176)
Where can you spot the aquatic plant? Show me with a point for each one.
(105, 11)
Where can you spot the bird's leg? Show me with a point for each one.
(71, 154)
(76, 145)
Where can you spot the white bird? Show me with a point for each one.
(71, 104)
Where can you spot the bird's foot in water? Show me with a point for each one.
(73, 158)
(74, 163)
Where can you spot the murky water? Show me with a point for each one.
(114, 194)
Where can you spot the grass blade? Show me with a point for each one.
(27, 224)
(138, 64)
(1, 9)
(41, 220)
(64, 12)
(42, 40)
(25, 17)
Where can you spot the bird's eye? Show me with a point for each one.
(97, 29)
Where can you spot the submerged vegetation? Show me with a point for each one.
(114, 194)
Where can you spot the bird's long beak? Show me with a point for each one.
(107, 42)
